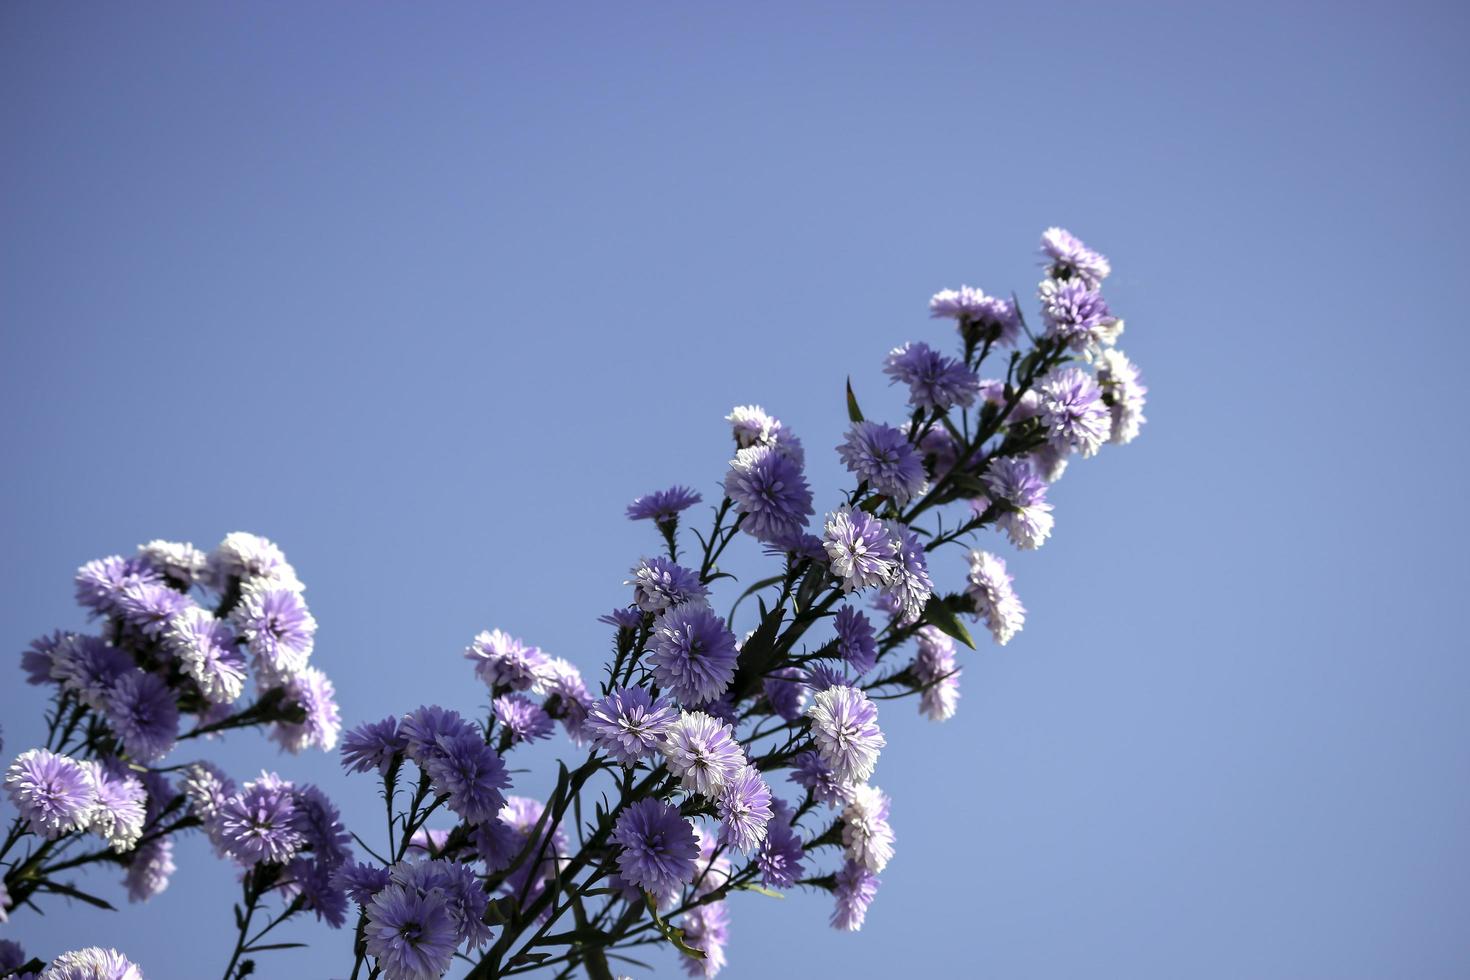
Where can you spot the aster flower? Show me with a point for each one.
(523, 718)
(935, 381)
(320, 824)
(657, 844)
(100, 583)
(624, 618)
(693, 653)
(521, 815)
(856, 888)
(92, 963)
(744, 806)
(89, 668)
(980, 317)
(707, 929)
(1027, 519)
(206, 649)
(1050, 461)
(1067, 258)
(411, 935)
(310, 689)
(663, 506)
(781, 858)
(567, 697)
(1073, 410)
(252, 560)
(1077, 315)
(995, 599)
(845, 728)
(785, 689)
(714, 869)
(824, 674)
(119, 806)
(259, 824)
(274, 622)
(813, 773)
(629, 724)
(206, 788)
(470, 772)
(796, 542)
(428, 841)
(935, 671)
(1123, 392)
(866, 833)
(309, 882)
(769, 488)
(703, 753)
(149, 869)
(909, 585)
(883, 456)
(52, 793)
(373, 745)
(856, 642)
(504, 662)
(360, 881)
(423, 730)
(12, 957)
(466, 897)
(751, 425)
(176, 560)
(38, 660)
(150, 606)
(860, 548)
(659, 584)
(142, 713)
(497, 843)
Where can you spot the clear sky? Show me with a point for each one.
(427, 293)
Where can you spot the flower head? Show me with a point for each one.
(909, 586)
(150, 606)
(92, 963)
(411, 934)
(259, 824)
(372, 746)
(812, 772)
(663, 506)
(860, 548)
(278, 628)
(856, 888)
(629, 724)
(360, 881)
(206, 649)
(89, 668)
(53, 794)
(845, 728)
(522, 718)
(865, 830)
(856, 642)
(935, 380)
(252, 560)
(703, 753)
(658, 846)
(142, 713)
(1123, 392)
(1073, 410)
(176, 560)
(310, 689)
(1077, 315)
(502, 661)
(995, 600)
(882, 456)
(1027, 518)
(934, 669)
(693, 653)
(781, 858)
(119, 806)
(471, 772)
(769, 488)
(786, 691)
(660, 584)
(1067, 258)
(744, 806)
(100, 583)
(707, 929)
(980, 317)
(149, 869)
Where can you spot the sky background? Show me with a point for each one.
(428, 294)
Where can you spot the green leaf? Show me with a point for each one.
(77, 893)
(261, 949)
(673, 934)
(938, 614)
(758, 653)
(853, 412)
(760, 890)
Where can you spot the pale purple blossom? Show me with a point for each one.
(1026, 517)
(856, 888)
(744, 806)
(522, 718)
(770, 490)
(52, 793)
(994, 597)
(142, 713)
(311, 691)
(935, 671)
(205, 647)
(629, 724)
(856, 642)
(657, 846)
(1124, 392)
(504, 662)
(660, 583)
(882, 456)
(706, 928)
(860, 548)
(92, 963)
(693, 653)
(781, 858)
(1066, 257)
(866, 833)
(1073, 410)
(663, 506)
(980, 317)
(785, 691)
(100, 583)
(909, 583)
(703, 753)
(119, 806)
(277, 627)
(1077, 315)
(935, 380)
(149, 607)
(373, 745)
(149, 869)
(845, 729)
(412, 935)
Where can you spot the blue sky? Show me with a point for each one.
(428, 294)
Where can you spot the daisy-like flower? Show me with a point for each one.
(149, 607)
(92, 963)
(629, 724)
(813, 773)
(467, 899)
(149, 869)
(12, 957)
(751, 425)
(909, 586)
(259, 824)
(935, 380)
(274, 622)
(769, 488)
(658, 846)
(693, 653)
(119, 807)
(373, 745)
(176, 560)
(360, 881)
(89, 668)
(1077, 315)
(1027, 518)
(1123, 392)
(860, 548)
(1065, 257)
(744, 806)
(52, 793)
(781, 858)
(252, 560)
(313, 692)
(142, 713)
(883, 456)
(995, 599)
(659, 584)
(856, 642)
(469, 771)
(206, 649)
(100, 583)
(206, 788)
(845, 728)
(411, 935)
(856, 888)
(785, 689)
(504, 662)
(703, 753)
(980, 317)
(523, 718)
(38, 660)
(1073, 410)
(866, 833)
(624, 618)
(934, 669)
(707, 929)
(663, 506)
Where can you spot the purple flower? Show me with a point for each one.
(658, 846)
(12, 957)
(882, 456)
(149, 606)
(812, 773)
(119, 806)
(1123, 391)
(781, 857)
(663, 506)
(995, 600)
(467, 898)
(311, 882)
(1066, 257)
(860, 547)
(89, 668)
(934, 669)
(856, 642)
(1077, 315)
(142, 713)
(1073, 410)
(423, 729)
(497, 843)
(824, 674)
(768, 487)
(845, 728)
(856, 888)
(623, 618)
(703, 753)
(909, 585)
(259, 824)
(372, 746)
(752, 426)
(523, 718)
(428, 840)
(176, 560)
(92, 963)
(567, 697)
(866, 833)
(360, 881)
(522, 815)
(629, 724)
(254, 560)
(206, 788)
(310, 689)
(980, 317)
(100, 583)
(412, 935)
(52, 793)
(796, 542)
(275, 623)
(1027, 518)
(470, 772)
(320, 824)
(935, 381)
(660, 584)
(38, 660)
(206, 649)
(706, 928)
(149, 869)
(744, 806)
(693, 653)
(786, 691)
(504, 662)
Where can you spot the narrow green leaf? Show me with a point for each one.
(760, 890)
(853, 412)
(938, 614)
(673, 934)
